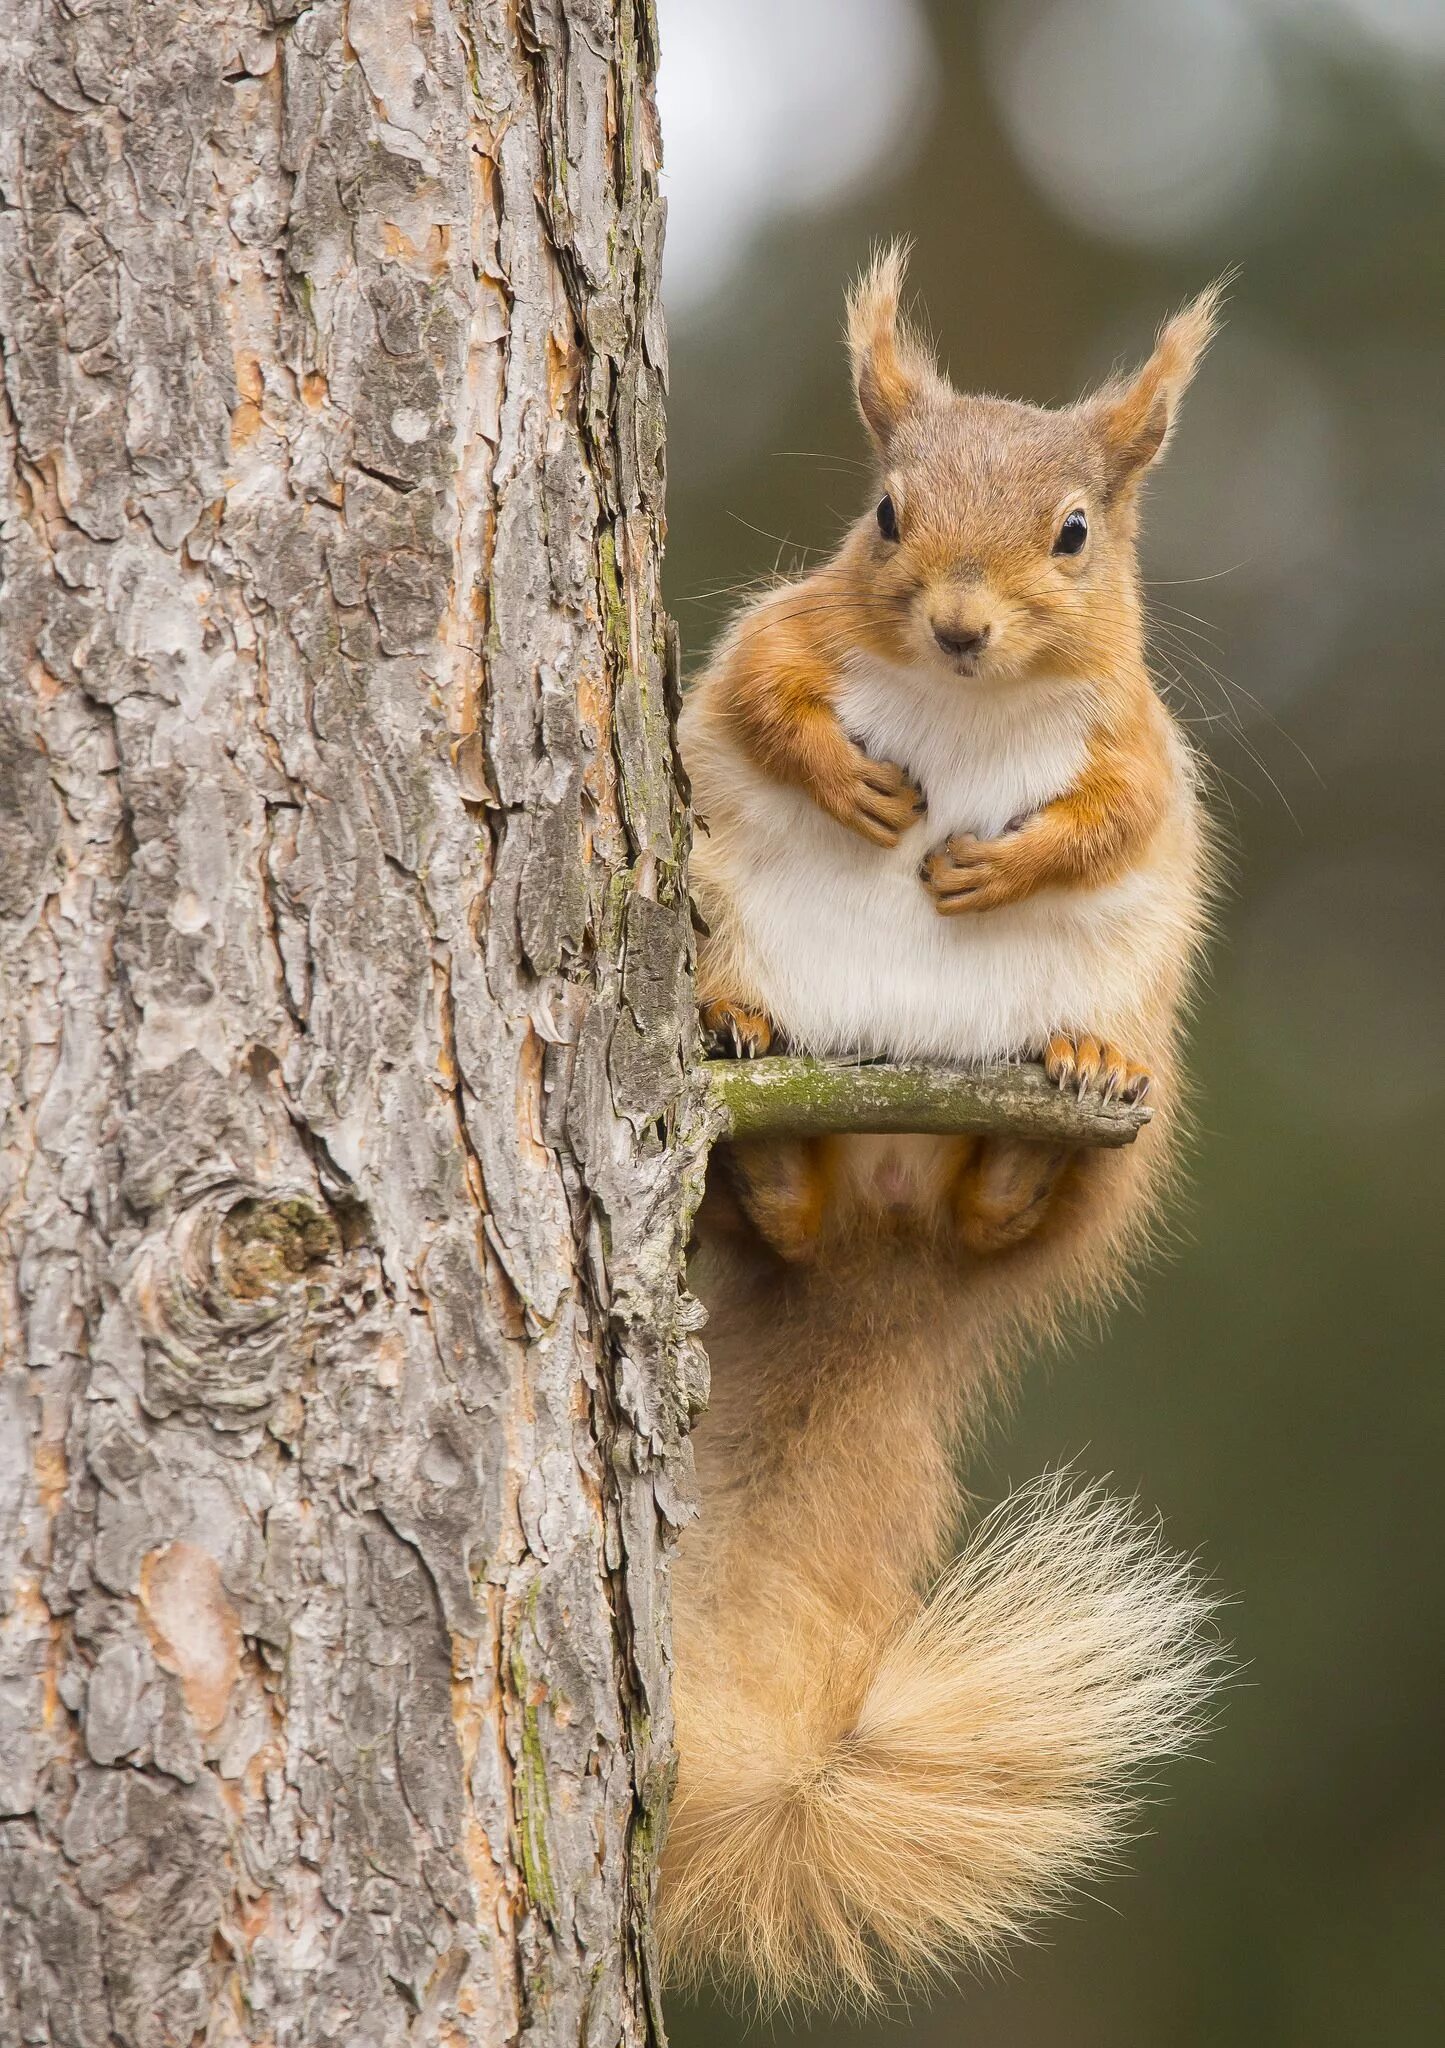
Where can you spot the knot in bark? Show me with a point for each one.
(224, 1293)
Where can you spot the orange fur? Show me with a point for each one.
(875, 1776)
(892, 368)
(1138, 413)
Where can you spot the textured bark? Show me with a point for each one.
(344, 1027)
(803, 1097)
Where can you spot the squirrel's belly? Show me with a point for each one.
(852, 957)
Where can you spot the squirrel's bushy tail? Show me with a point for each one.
(850, 1813)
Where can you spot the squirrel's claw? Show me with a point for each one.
(1084, 1063)
(748, 1033)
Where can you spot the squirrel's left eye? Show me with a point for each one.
(887, 519)
(1072, 534)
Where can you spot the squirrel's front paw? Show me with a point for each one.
(966, 873)
(875, 798)
(1083, 1063)
(746, 1033)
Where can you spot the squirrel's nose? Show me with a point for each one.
(958, 640)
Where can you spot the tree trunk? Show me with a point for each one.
(344, 1025)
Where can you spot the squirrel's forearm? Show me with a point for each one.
(1102, 824)
(793, 734)
(776, 692)
(777, 696)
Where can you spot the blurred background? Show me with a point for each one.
(1071, 170)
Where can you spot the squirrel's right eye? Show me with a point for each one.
(887, 519)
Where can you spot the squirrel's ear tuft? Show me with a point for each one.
(1136, 414)
(891, 365)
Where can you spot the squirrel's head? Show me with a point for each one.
(1003, 544)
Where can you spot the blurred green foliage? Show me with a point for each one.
(1278, 1392)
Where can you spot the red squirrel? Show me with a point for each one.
(942, 814)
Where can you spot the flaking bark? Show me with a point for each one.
(344, 1025)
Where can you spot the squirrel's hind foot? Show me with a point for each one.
(1005, 1192)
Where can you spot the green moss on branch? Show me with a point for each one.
(808, 1098)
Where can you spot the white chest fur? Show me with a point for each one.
(840, 938)
(980, 759)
